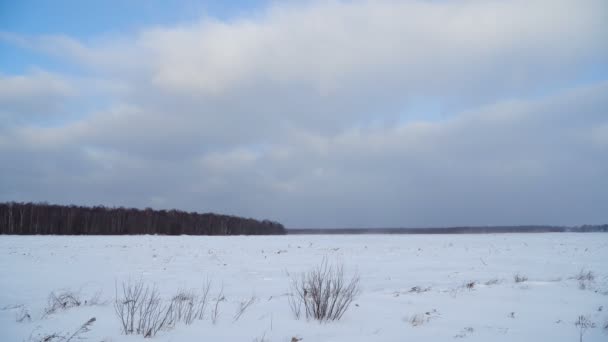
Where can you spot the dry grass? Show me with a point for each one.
(189, 305)
(243, 306)
(215, 313)
(142, 311)
(64, 337)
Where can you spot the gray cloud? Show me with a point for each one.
(303, 114)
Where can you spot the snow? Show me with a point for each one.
(544, 308)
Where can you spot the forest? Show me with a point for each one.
(42, 218)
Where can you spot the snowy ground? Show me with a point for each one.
(544, 308)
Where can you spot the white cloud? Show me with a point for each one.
(420, 46)
(36, 94)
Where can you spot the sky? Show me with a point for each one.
(312, 113)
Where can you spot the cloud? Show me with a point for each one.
(357, 113)
(328, 46)
(508, 163)
(34, 95)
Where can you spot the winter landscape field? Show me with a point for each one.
(487, 287)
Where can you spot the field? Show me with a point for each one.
(413, 287)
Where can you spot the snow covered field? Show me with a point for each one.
(494, 308)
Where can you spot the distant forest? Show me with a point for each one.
(455, 230)
(43, 218)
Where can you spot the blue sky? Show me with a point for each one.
(91, 19)
(312, 113)
(86, 18)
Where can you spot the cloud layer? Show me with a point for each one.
(382, 113)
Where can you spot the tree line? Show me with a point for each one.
(44, 218)
(602, 228)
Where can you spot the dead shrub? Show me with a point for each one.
(464, 332)
(583, 323)
(491, 282)
(65, 299)
(585, 279)
(140, 309)
(153, 314)
(323, 292)
(62, 300)
(186, 306)
(126, 305)
(585, 275)
(422, 318)
(23, 316)
(419, 289)
(519, 278)
(417, 320)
